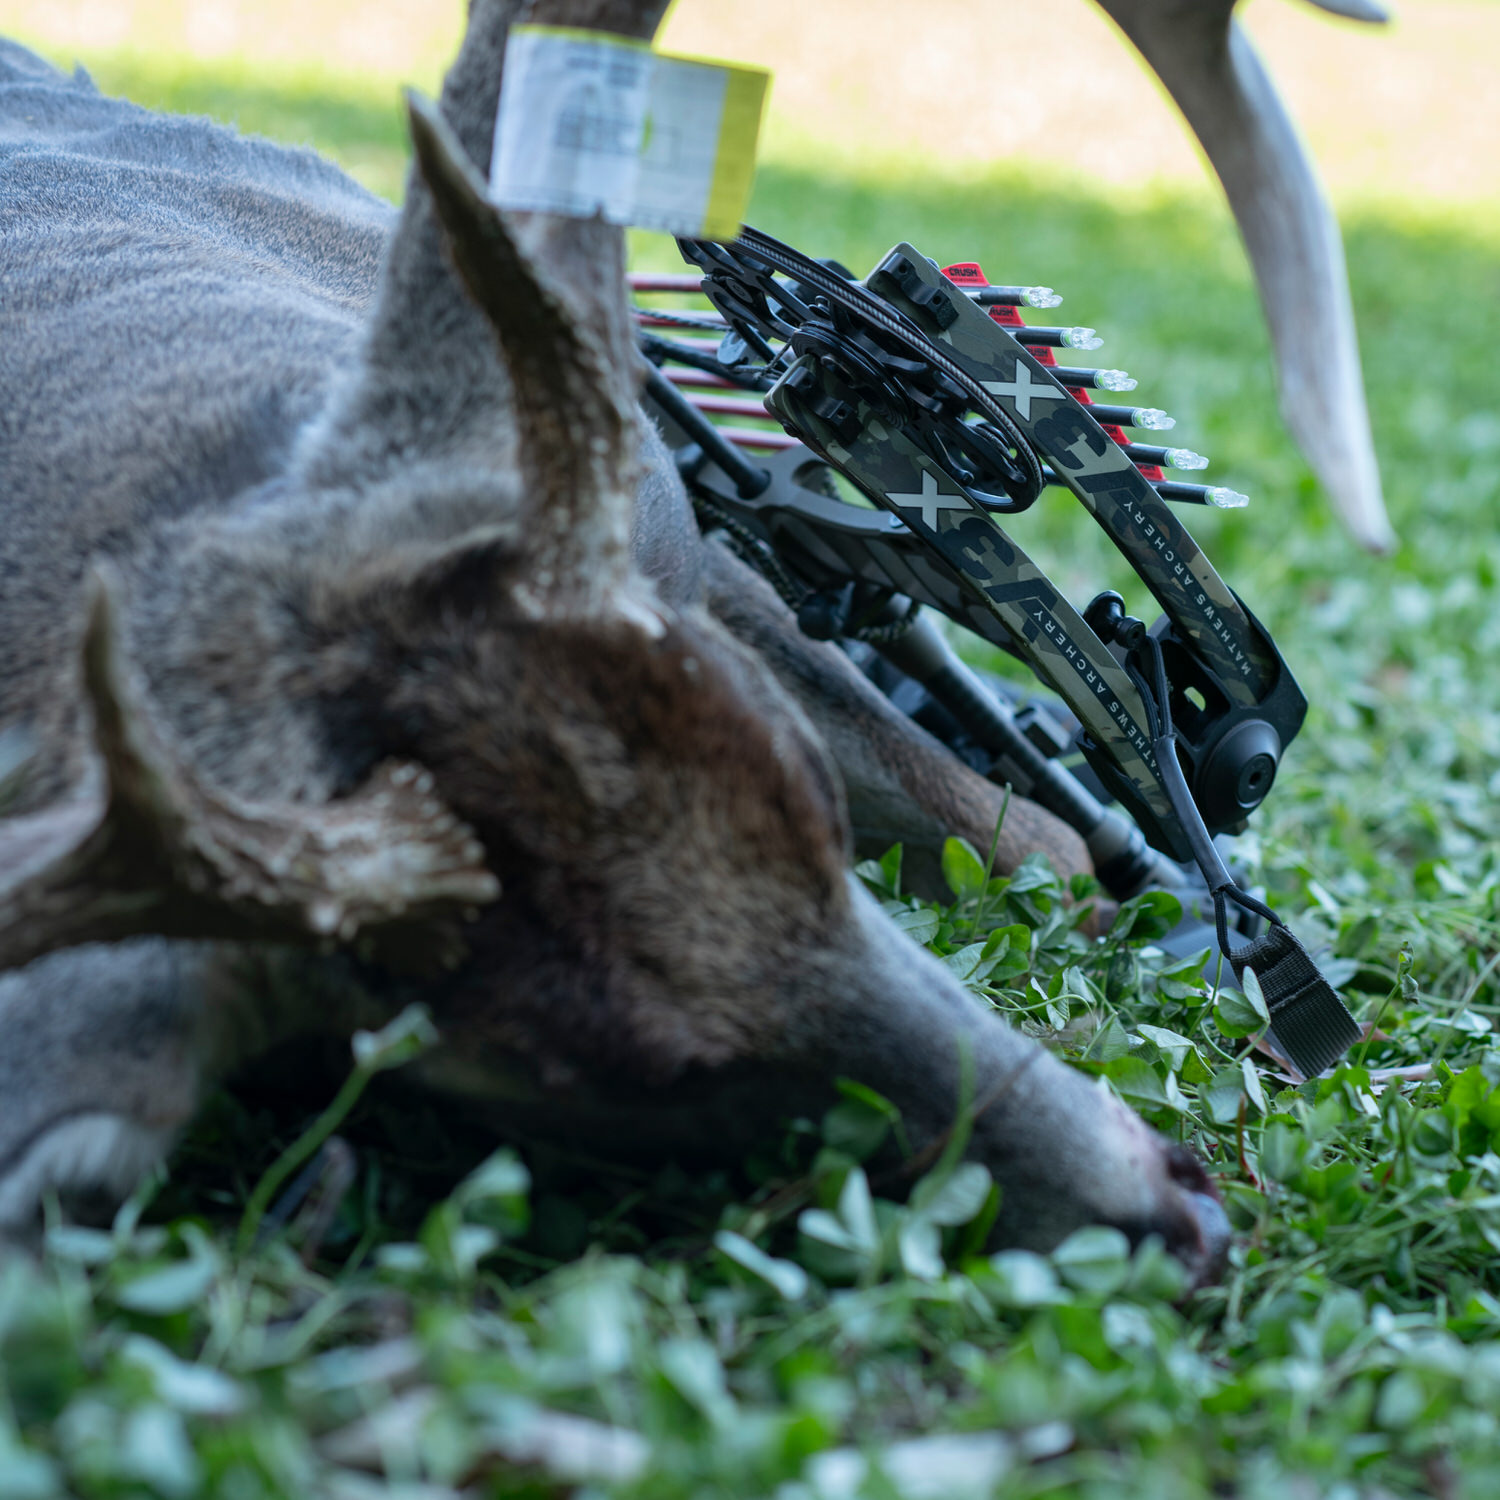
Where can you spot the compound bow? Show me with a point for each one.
(927, 393)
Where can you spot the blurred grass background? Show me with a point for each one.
(1029, 137)
(1402, 114)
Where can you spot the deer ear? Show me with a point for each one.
(573, 374)
(149, 848)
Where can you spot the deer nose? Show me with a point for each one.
(1214, 1235)
(1204, 1248)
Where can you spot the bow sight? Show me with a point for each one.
(926, 392)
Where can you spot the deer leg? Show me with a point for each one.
(107, 1050)
(902, 785)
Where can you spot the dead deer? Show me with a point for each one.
(367, 650)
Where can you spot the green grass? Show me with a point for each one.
(774, 1332)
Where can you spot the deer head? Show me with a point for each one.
(435, 620)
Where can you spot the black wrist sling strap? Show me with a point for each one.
(1309, 1022)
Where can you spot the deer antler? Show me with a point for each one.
(152, 849)
(1212, 71)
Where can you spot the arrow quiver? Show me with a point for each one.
(918, 414)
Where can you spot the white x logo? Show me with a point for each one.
(931, 500)
(1022, 391)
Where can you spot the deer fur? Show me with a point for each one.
(315, 515)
